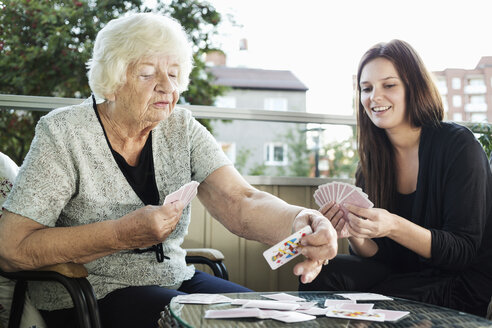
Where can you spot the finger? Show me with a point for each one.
(336, 218)
(321, 253)
(359, 211)
(323, 210)
(355, 228)
(172, 209)
(323, 232)
(340, 225)
(308, 270)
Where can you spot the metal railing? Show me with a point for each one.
(39, 103)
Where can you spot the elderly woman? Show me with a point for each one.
(91, 189)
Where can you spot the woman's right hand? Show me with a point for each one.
(148, 225)
(334, 214)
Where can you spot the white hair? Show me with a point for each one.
(126, 40)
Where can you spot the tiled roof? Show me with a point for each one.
(252, 78)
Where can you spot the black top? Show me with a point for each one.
(141, 178)
(454, 201)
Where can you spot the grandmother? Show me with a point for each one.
(91, 189)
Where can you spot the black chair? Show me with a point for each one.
(73, 278)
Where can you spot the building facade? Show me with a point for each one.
(257, 147)
(467, 94)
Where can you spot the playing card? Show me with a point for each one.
(284, 297)
(365, 297)
(342, 193)
(318, 198)
(233, 313)
(271, 305)
(356, 307)
(190, 192)
(313, 311)
(358, 315)
(185, 194)
(285, 250)
(173, 197)
(390, 315)
(336, 303)
(202, 299)
(290, 317)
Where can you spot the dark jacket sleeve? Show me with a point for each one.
(457, 235)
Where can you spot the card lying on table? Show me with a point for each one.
(365, 297)
(359, 315)
(285, 250)
(202, 299)
(185, 194)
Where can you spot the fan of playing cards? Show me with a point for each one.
(342, 193)
(185, 194)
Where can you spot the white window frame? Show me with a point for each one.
(270, 154)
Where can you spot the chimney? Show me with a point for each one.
(215, 58)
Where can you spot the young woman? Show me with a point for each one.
(428, 238)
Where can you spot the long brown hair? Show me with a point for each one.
(376, 173)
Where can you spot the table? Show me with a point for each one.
(421, 315)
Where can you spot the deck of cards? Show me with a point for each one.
(285, 250)
(342, 193)
(185, 194)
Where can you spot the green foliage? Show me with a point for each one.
(298, 153)
(46, 43)
(241, 159)
(258, 169)
(485, 138)
(342, 158)
(17, 132)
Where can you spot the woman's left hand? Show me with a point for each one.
(369, 222)
(318, 247)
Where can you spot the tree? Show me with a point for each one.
(485, 138)
(45, 45)
(342, 158)
(297, 153)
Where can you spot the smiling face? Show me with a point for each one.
(382, 93)
(149, 94)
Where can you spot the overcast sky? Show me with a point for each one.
(321, 41)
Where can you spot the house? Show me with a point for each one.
(257, 147)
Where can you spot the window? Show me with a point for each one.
(478, 117)
(229, 148)
(225, 102)
(456, 83)
(476, 81)
(477, 99)
(441, 83)
(276, 154)
(457, 101)
(458, 117)
(445, 103)
(275, 104)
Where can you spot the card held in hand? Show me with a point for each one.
(286, 250)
